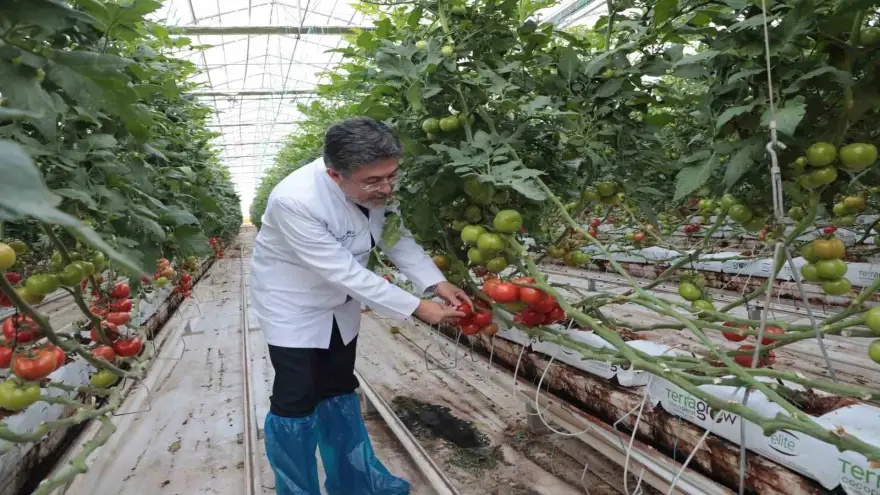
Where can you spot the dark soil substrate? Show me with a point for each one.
(438, 422)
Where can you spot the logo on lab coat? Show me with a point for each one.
(348, 235)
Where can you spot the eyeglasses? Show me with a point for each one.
(375, 186)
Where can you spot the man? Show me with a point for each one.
(308, 281)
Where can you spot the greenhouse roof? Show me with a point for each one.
(266, 56)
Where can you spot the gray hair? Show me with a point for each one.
(358, 141)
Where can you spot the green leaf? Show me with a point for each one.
(414, 96)
(609, 88)
(738, 165)
(660, 119)
(569, 64)
(177, 216)
(23, 194)
(787, 117)
(690, 179)
(16, 114)
(663, 10)
(391, 233)
(100, 141)
(152, 228)
(77, 195)
(731, 113)
(697, 57)
(378, 112)
(743, 74)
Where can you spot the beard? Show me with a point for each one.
(376, 200)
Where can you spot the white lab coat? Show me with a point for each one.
(311, 253)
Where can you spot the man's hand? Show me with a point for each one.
(453, 295)
(434, 313)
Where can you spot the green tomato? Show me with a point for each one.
(473, 213)
(832, 269)
(606, 188)
(823, 176)
(579, 258)
(85, 267)
(71, 275)
(810, 272)
(801, 161)
(42, 284)
(809, 254)
(431, 126)
(836, 287)
(858, 156)
(103, 379)
(754, 224)
(458, 225)
(507, 221)
(840, 209)
(821, 154)
(421, 45)
(872, 319)
(847, 221)
(703, 305)
(589, 195)
(874, 348)
(15, 397)
(449, 123)
(161, 282)
(490, 243)
(447, 50)
(19, 247)
(806, 181)
(501, 197)
(689, 291)
(475, 256)
(40, 75)
(473, 187)
(496, 265)
(7, 257)
(29, 297)
(556, 252)
(471, 233)
(796, 213)
(854, 203)
(740, 213)
(728, 201)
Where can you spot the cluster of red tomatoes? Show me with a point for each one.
(766, 358)
(115, 312)
(477, 319)
(184, 287)
(29, 361)
(536, 307)
(219, 248)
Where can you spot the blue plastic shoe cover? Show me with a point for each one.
(349, 461)
(290, 447)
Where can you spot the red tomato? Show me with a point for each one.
(20, 328)
(60, 356)
(481, 304)
(128, 347)
(387, 277)
(120, 291)
(530, 296)
(5, 356)
(145, 280)
(482, 318)
(523, 280)
(186, 278)
(489, 286)
(530, 318)
(733, 336)
(545, 305)
(745, 360)
(595, 223)
(489, 329)
(612, 219)
(124, 305)
(34, 364)
(555, 316)
(829, 230)
(505, 292)
(118, 318)
(104, 352)
(109, 330)
(13, 277)
(465, 308)
(480, 271)
(470, 329)
(5, 302)
(768, 339)
(639, 236)
(593, 232)
(102, 312)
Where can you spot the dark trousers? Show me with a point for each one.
(305, 377)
